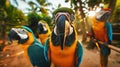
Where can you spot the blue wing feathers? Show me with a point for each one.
(36, 54)
(109, 31)
(46, 47)
(79, 53)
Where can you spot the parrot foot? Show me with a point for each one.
(52, 65)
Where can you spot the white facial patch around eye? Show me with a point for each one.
(68, 28)
(71, 30)
(22, 33)
(44, 27)
(100, 14)
(55, 28)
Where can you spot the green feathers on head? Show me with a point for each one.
(63, 9)
(28, 29)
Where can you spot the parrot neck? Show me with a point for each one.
(43, 32)
(25, 45)
(43, 37)
(48, 28)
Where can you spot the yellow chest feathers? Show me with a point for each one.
(63, 58)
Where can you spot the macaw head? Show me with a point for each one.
(63, 25)
(103, 15)
(42, 27)
(22, 34)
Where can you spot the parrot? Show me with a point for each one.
(43, 31)
(63, 49)
(33, 49)
(102, 31)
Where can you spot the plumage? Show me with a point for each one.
(63, 48)
(102, 31)
(43, 31)
(99, 30)
(34, 50)
(109, 31)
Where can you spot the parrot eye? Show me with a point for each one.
(21, 31)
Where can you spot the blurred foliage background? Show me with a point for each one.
(11, 16)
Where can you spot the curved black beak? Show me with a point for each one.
(61, 29)
(60, 33)
(40, 28)
(13, 36)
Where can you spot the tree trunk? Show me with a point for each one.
(83, 28)
(3, 29)
(82, 14)
(84, 38)
(112, 7)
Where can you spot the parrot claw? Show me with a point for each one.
(52, 65)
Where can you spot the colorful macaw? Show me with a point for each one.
(101, 28)
(33, 50)
(43, 31)
(102, 31)
(63, 49)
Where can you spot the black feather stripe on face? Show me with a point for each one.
(60, 23)
(22, 41)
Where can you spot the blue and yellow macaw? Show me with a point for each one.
(34, 51)
(101, 28)
(43, 31)
(63, 49)
(102, 31)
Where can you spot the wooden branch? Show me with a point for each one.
(114, 48)
(111, 47)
